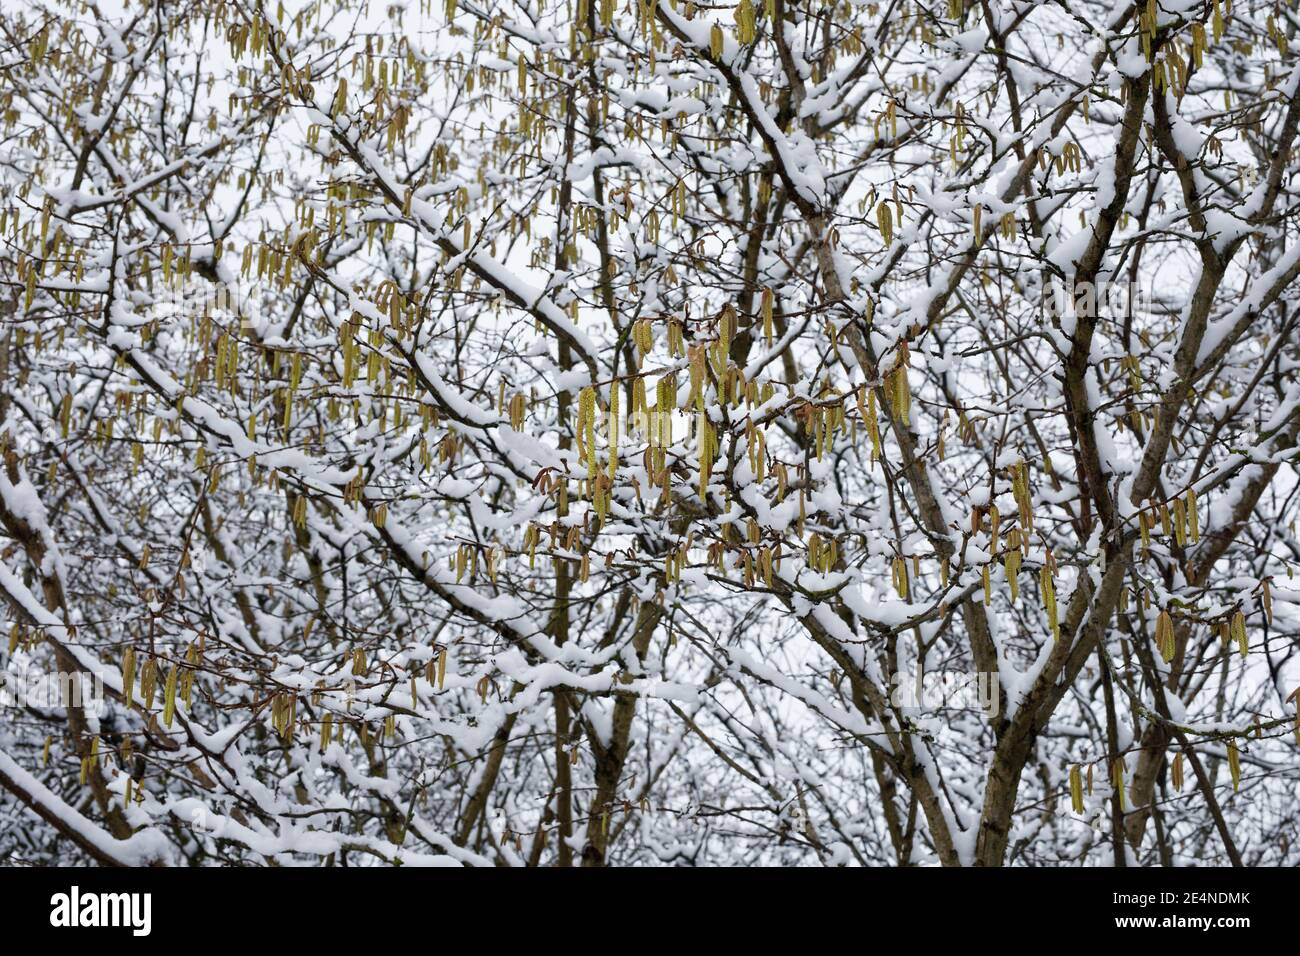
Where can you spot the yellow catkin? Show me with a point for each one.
(1076, 789)
(1049, 601)
(1165, 636)
(614, 411)
(128, 675)
(1238, 632)
(169, 696)
(586, 430)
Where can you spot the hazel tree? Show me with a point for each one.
(557, 432)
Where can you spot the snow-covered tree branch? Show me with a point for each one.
(557, 432)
